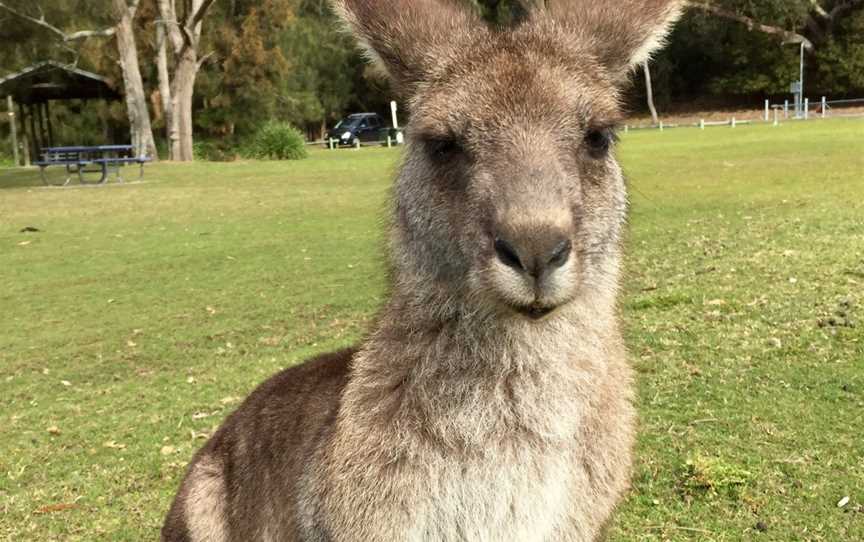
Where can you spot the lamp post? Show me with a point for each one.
(801, 78)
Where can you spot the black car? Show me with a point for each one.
(359, 126)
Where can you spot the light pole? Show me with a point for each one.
(801, 78)
(797, 87)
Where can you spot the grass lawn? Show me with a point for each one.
(139, 315)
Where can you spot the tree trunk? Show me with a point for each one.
(183, 90)
(649, 92)
(165, 89)
(184, 37)
(136, 100)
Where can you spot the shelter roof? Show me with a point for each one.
(53, 81)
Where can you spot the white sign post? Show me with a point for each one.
(399, 138)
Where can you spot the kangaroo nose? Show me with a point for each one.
(535, 255)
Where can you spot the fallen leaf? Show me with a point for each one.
(24, 243)
(716, 302)
(843, 502)
(66, 383)
(211, 310)
(190, 380)
(55, 508)
(229, 400)
(54, 430)
(167, 450)
(114, 445)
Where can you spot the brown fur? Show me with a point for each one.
(492, 401)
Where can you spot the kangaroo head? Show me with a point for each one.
(510, 196)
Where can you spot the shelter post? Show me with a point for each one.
(22, 117)
(40, 125)
(34, 150)
(48, 122)
(13, 129)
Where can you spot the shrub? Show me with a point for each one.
(279, 141)
(215, 151)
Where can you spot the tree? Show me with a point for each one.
(123, 12)
(244, 89)
(649, 94)
(811, 22)
(177, 85)
(326, 73)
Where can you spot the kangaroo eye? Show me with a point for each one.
(443, 149)
(598, 141)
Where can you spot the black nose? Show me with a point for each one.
(535, 255)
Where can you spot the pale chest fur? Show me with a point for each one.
(515, 494)
(468, 458)
(519, 495)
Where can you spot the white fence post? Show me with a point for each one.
(786, 109)
(626, 128)
(732, 122)
(806, 108)
(357, 143)
(661, 125)
(824, 107)
(767, 109)
(701, 124)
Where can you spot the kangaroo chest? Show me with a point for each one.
(519, 495)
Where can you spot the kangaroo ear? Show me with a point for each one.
(622, 33)
(408, 38)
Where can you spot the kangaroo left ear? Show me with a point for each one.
(622, 33)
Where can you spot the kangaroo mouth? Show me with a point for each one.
(534, 312)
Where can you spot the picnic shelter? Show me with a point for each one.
(34, 88)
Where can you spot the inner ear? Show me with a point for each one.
(410, 39)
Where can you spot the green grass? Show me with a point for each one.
(137, 317)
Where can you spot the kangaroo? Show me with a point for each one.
(492, 399)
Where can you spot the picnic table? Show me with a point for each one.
(90, 164)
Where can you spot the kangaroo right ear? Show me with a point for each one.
(408, 38)
(623, 33)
